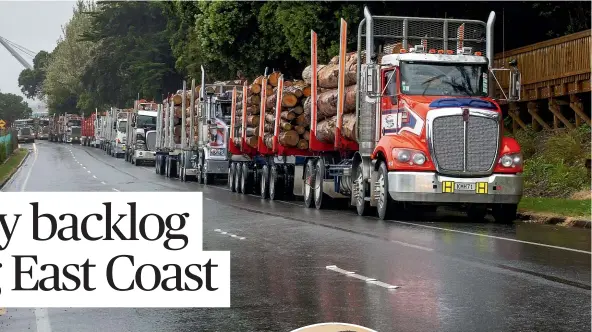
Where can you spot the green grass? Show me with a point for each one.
(557, 206)
(10, 166)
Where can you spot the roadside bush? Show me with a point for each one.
(3, 153)
(554, 163)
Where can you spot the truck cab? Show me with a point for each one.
(216, 113)
(141, 123)
(120, 135)
(72, 129)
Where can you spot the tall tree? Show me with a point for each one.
(13, 107)
(31, 80)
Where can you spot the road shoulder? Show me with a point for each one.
(12, 165)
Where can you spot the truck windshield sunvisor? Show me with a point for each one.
(443, 79)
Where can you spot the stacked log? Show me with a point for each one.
(327, 96)
(293, 127)
(252, 108)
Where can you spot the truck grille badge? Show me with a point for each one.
(465, 114)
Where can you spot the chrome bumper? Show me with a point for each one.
(144, 155)
(434, 188)
(216, 166)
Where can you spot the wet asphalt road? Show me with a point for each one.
(454, 275)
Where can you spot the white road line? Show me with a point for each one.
(103, 182)
(94, 176)
(493, 237)
(30, 168)
(455, 231)
(88, 172)
(114, 189)
(361, 277)
(218, 230)
(42, 320)
(411, 245)
(84, 167)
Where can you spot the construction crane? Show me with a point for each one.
(10, 46)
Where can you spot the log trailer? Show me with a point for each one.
(428, 130)
(88, 130)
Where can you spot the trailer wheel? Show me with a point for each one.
(385, 203)
(319, 175)
(237, 178)
(359, 191)
(231, 172)
(276, 185)
(245, 186)
(309, 181)
(264, 184)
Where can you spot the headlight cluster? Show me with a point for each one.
(511, 160)
(409, 156)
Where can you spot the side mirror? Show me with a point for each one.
(373, 81)
(115, 126)
(514, 86)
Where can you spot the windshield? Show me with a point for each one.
(122, 126)
(74, 123)
(25, 131)
(223, 110)
(44, 122)
(144, 121)
(75, 131)
(443, 79)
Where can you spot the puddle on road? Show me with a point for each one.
(569, 237)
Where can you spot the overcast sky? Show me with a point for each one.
(35, 25)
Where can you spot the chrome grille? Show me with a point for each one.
(151, 140)
(450, 152)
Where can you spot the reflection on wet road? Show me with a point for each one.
(454, 275)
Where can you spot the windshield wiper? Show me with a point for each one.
(429, 82)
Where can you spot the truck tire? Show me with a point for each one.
(275, 183)
(237, 177)
(231, 173)
(359, 192)
(477, 212)
(385, 204)
(309, 181)
(319, 175)
(246, 180)
(264, 183)
(505, 213)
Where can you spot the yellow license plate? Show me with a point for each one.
(450, 187)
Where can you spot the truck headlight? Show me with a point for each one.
(511, 160)
(409, 156)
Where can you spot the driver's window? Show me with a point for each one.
(391, 85)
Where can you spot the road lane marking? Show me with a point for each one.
(451, 230)
(88, 172)
(493, 237)
(42, 320)
(369, 280)
(114, 189)
(30, 168)
(103, 182)
(218, 230)
(94, 176)
(83, 167)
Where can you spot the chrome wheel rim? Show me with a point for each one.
(318, 183)
(272, 183)
(360, 189)
(381, 196)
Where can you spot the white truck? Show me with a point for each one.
(139, 124)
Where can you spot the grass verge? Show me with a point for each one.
(11, 165)
(557, 206)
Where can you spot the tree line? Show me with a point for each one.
(111, 52)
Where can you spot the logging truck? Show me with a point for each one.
(141, 125)
(192, 139)
(408, 119)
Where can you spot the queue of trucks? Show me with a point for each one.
(419, 142)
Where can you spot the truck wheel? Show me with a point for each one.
(231, 173)
(167, 167)
(319, 175)
(237, 178)
(359, 191)
(264, 181)
(477, 212)
(275, 183)
(309, 183)
(505, 213)
(246, 181)
(385, 203)
(199, 177)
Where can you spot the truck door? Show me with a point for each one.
(390, 119)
